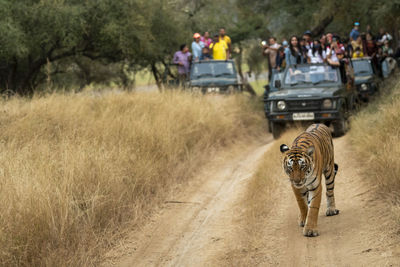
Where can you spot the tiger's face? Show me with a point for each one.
(298, 164)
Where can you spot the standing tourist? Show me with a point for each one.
(271, 50)
(197, 47)
(293, 52)
(354, 32)
(227, 39)
(308, 43)
(281, 59)
(316, 54)
(206, 39)
(220, 50)
(182, 59)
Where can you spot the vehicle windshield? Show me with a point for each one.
(215, 69)
(311, 74)
(362, 67)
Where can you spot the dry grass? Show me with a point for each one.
(75, 169)
(259, 199)
(375, 136)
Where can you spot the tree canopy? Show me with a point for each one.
(136, 34)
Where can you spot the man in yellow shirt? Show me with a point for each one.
(219, 48)
(227, 39)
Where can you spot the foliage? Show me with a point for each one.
(137, 34)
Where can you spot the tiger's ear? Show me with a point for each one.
(310, 150)
(284, 148)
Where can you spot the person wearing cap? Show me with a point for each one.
(308, 43)
(354, 32)
(197, 47)
(219, 48)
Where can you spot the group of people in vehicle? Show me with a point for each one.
(203, 48)
(328, 48)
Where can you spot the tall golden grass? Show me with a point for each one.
(74, 169)
(375, 135)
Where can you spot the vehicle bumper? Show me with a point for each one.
(319, 116)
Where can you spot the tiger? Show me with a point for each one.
(310, 156)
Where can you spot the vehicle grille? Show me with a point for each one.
(296, 105)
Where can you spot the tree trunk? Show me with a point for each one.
(156, 75)
(320, 28)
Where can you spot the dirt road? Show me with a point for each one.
(200, 226)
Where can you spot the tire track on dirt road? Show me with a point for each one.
(192, 230)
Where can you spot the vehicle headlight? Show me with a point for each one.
(195, 89)
(327, 103)
(281, 105)
(364, 87)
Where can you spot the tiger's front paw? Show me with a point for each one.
(332, 212)
(302, 220)
(310, 232)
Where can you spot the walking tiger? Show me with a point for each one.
(310, 156)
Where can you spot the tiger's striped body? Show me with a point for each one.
(310, 156)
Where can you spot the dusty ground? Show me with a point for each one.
(201, 226)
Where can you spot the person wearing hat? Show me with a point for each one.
(308, 43)
(197, 47)
(219, 48)
(354, 32)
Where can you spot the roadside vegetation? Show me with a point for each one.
(77, 168)
(375, 138)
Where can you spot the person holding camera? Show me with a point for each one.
(271, 50)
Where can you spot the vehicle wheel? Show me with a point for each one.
(277, 129)
(340, 127)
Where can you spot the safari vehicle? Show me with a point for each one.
(214, 76)
(312, 93)
(366, 78)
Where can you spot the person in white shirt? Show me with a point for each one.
(316, 54)
(332, 50)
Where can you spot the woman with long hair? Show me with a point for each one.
(316, 54)
(293, 52)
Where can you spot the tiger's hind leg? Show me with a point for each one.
(330, 185)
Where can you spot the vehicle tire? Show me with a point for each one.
(276, 129)
(340, 127)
